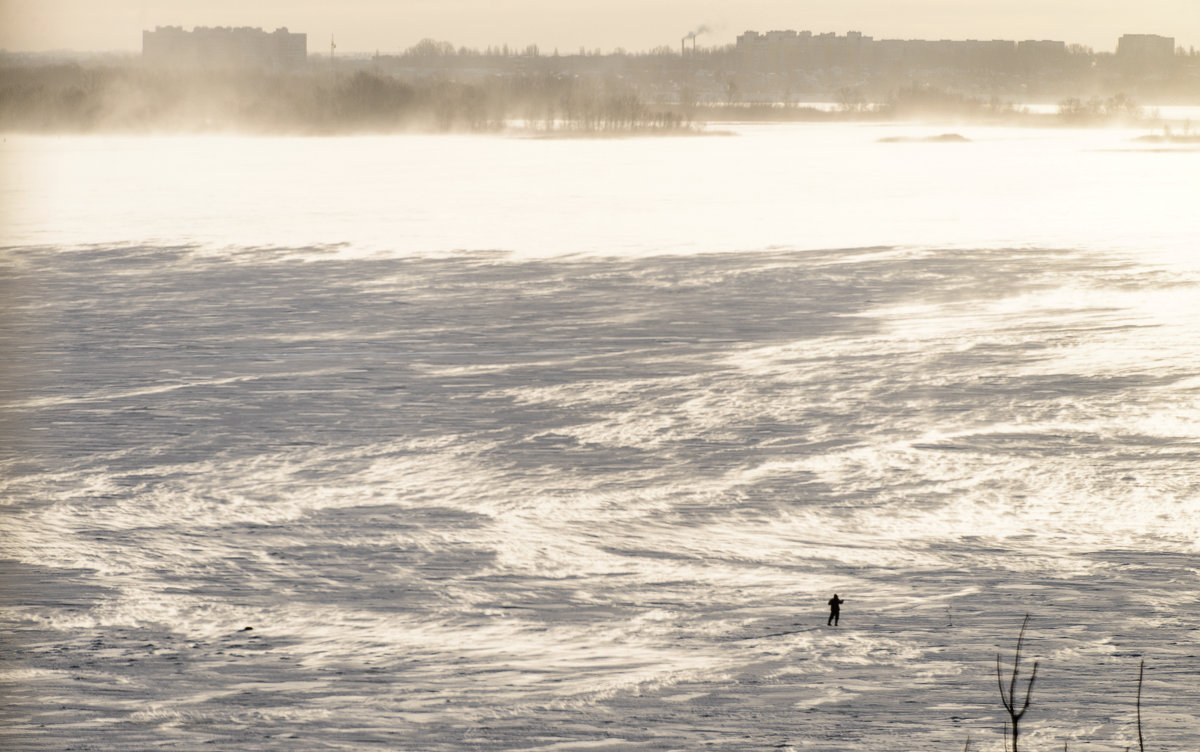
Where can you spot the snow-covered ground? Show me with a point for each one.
(297, 498)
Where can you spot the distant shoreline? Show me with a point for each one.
(135, 99)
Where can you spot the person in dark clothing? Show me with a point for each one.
(835, 609)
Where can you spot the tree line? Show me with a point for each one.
(135, 98)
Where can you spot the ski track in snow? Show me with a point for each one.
(469, 501)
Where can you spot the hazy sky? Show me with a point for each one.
(392, 25)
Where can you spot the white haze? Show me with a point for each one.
(815, 187)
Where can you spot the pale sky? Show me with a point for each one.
(636, 25)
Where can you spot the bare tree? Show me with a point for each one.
(1008, 697)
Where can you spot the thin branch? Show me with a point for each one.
(1141, 669)
(1029, 688)
(1012, 684)
(1009, 698)
(1000, 684)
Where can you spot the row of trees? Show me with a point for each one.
(72, 98)
(1118, 107)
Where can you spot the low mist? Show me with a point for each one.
(436, 87)
(133, 98)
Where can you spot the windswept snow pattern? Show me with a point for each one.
(477, 501)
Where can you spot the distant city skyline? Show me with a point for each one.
(369, 25)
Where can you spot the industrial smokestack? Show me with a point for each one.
(702, 29)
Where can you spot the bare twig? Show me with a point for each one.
(1008, 698)
(1141, 669)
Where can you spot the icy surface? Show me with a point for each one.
(485, 500)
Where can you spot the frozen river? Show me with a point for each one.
(494, 443)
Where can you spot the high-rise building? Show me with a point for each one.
(1139, 54)
(1145, 48)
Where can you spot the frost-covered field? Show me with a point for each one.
(484, 500)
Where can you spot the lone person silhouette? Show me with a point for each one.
(835, 609)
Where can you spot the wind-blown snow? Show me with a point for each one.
(484, 501)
